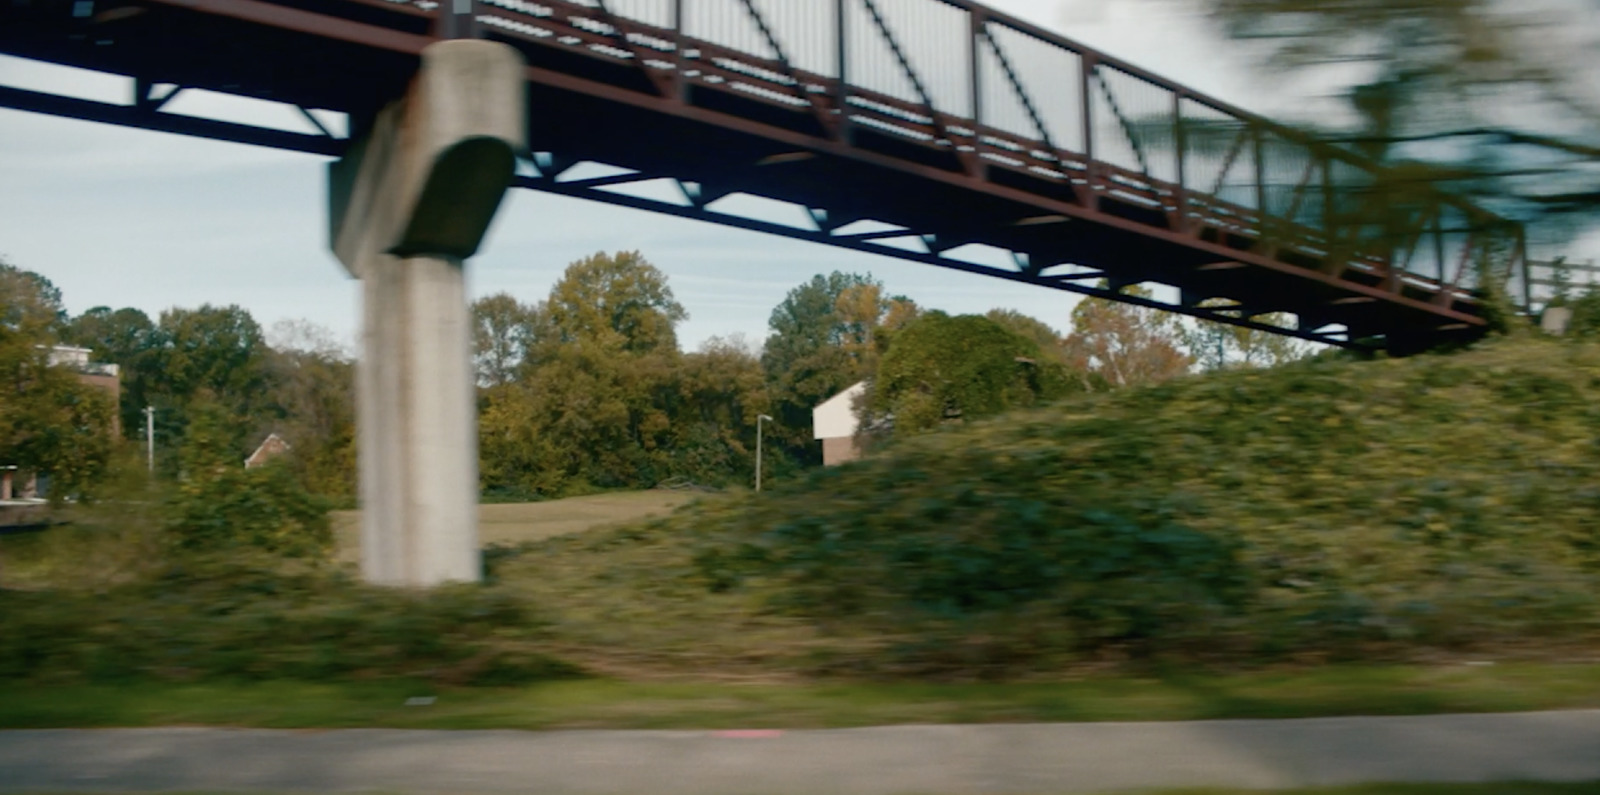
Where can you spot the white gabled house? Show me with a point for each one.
(834, 422)
(272, 447)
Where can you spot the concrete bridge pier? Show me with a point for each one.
(408, 204)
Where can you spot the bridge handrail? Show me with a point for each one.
(1267, 144)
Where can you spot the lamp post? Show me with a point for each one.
(759, 419)
(150, 438)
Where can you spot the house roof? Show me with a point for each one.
(836, 417)
(266, 447)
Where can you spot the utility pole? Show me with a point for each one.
(150, 438)
(759, 419)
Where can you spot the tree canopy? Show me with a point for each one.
(616, 301)
(942, 368)
(1114, 344)
(583, 389)
(826, 334)
(505, 332)
(49, 421)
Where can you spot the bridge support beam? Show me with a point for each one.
(408, 204)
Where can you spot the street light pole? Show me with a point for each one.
(150, 438)
(759, 419)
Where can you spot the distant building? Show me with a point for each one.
(17, 484)
(96, 374)
(271, 447)
(834, 422)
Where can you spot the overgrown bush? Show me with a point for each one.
(1102, 573)
(253, 621)
(229, 576)
(265, 508)
(942, 368)
(222, 507)
(1331, 507)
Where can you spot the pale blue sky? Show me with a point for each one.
(123, 217)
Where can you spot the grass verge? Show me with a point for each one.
(610, 704)
(1494, 788)
(516, 523)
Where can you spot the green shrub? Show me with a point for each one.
(222, 507)
(244, 621)
(264, 508)
(941, 368)
(1329, 507)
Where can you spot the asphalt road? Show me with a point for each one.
(932, 760)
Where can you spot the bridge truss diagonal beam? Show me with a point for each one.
(1161, 183)
(869, 242)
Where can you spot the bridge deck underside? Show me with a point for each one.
(950, 209)
(1069, 221)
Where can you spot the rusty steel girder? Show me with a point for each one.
(943, 122)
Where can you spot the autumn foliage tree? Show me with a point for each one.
(1216, 346)
(1114, 344)
(826, 335)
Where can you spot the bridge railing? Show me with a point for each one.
(957, 78)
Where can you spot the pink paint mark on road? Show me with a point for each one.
(749, 734)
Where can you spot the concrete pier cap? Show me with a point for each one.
(430, 175)
(408, 204)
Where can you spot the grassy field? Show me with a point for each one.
(27, 558)
(515, 523)
(611, 704)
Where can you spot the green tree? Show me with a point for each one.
(213, 354)
(1051, 344)
(825, 336)
(32, 307)
(50, 422)
(312, 395)
(720, 391)
(504, 332)
(619, 301)
(125, 337)
(221, 507)
(518, 453)
(591, 409)
(808, 321)
(942, 369)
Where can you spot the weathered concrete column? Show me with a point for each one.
(408, 205)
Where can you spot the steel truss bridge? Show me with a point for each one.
(938, 131)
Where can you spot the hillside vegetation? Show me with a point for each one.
(1385, 511)
(1328, 509)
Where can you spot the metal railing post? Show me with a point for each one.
(841, 31)
(1260, 162)
(1087, 65)
(458, 19)
(975, 64)
(679, 62)
(1180, 138)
